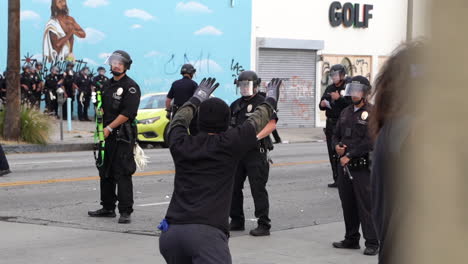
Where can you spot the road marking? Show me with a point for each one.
(41, 162)
(140, 174)
(153, 204)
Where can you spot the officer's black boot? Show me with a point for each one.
(371, 251)
(347, 244)
(261, 230)
(237, 226)
(102, 213)
(5, 172)
(333, 185)
(124, 218)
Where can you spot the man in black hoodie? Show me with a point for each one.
(196, 227)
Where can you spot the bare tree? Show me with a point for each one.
(11, 128)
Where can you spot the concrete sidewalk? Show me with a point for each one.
(26, 243)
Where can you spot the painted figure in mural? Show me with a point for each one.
(120, 101)
(59, 33)
(353, 144)
(255, 164)
(181, 90)
(332, 102)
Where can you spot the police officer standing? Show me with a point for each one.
(333, 103)
(353, 144)
(255, 164)
(83, 96)
(120, 101)
(3, 87)
(27, 84)
(181, 90)
(38, 81)
(99, 80)
(70, 87)
(52, 82)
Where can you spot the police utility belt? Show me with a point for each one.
(359, 163)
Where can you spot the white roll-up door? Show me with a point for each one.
(297, 69)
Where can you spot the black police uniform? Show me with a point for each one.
(29, 82)
(68, 80)
(120, 97)
(332, 117)
(181, 90)
(50, 87)
(254, 164)
(2, 87)
(84, 89)
(354, 190)
(36, 94)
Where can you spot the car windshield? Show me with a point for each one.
(153, 102)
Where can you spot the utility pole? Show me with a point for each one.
(11, 128)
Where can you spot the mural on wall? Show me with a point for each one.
(355, 65)
(161, 36)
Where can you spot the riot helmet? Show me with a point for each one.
(248, 83)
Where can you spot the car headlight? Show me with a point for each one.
(149, 120)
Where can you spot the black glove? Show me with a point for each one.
(272, 92)
(204, 90)
(168, 114)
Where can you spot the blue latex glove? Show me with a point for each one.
(164, 225)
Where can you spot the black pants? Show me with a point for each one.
(3, 160)
(331, 151)
(119, 165)
(255, 166)
(355, 198)
(194, 243)
(83, 107)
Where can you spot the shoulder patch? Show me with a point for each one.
(132, 90)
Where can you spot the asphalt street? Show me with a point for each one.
(59, 188)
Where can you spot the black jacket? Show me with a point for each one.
(336, 106)
(205, 167)
(352, 130)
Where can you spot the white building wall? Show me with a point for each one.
(308, 20)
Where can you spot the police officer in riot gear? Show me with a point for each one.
(99, 80)
(27, 84)
(353, 144)
(255, 164)
(69, 76)
(52, 82)
(3, 87)
(39, 81)
(83, 95)
(333, 102)
(120, 101)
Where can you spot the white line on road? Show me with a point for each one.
(153, 204)
(41, 162)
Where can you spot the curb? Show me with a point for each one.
(71, 147)
(30, 148)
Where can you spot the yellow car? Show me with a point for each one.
(152, 121)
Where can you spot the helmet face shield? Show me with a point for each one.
(336, 76)
(356, 90)
(246, 88)
(117, 59)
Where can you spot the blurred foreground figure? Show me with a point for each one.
(428, 187)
